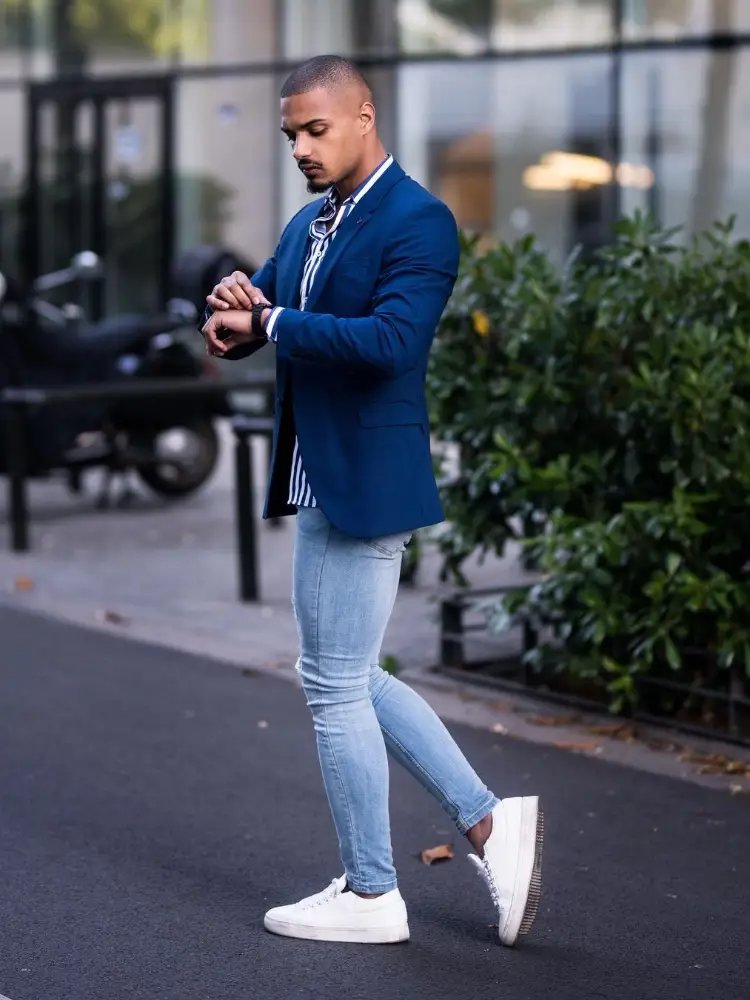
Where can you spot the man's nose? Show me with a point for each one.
(301, 148)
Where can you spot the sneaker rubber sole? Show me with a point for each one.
(370, 935)
(535, 886)
(527, 890)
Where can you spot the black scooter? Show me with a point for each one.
(171, 444)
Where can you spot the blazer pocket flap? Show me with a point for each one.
(394, 414)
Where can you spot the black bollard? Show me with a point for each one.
(16, 453)
(246, 542)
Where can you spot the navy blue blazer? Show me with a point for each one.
(350, 369)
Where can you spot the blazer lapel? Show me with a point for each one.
(351, 227)
(289, 269)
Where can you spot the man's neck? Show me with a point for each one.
(368, 166)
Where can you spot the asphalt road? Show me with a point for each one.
(147, 821)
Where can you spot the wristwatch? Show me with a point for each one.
(255, 313)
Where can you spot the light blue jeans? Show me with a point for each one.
(343, 594)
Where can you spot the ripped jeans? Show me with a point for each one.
(343, 594)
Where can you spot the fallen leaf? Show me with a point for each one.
(501, 706)
(737, 789)
(716, 763)
(551, 720)
(262, 724)
(665, 746)
(615, 730)
(500, 728)
(700, 758)
(737, 767)
(24, 583)
(443, 852)
(587, 746)
(111, 618)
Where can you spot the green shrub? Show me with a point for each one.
(603, 416)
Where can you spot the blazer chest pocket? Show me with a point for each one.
(399, 413)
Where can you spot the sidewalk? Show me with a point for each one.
(168, 575)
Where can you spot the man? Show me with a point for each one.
(351, 298)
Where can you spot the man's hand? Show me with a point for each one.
(225, 330)
(235, 292)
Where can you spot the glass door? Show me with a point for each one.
(101, 179)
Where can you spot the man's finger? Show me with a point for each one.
(227, 291)
(240, 292)
(211, 336)
(242, 285)
(216, 303)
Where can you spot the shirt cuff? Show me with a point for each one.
(271, 323)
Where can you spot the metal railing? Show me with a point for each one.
(499, 669)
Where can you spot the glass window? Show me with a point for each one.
(12, 21)
(468, 27)
(108, 37)
(98, 36)
(12, 167)
(445, 25)
(685, 115)
(218, 32)
(548, 24)
(514, 147)
(349, 27)
(680, 18)
(226, 155)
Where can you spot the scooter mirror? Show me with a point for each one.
(3, 286)
(86, 264)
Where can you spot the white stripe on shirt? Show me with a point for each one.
(300, 493)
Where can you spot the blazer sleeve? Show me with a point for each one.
(419, 269)
(265, 279)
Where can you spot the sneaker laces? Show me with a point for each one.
(484, 871)
(329, 893)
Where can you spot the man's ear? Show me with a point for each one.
(367, 117)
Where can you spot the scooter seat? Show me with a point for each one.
(128, 332)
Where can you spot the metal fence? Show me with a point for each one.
(702, 709)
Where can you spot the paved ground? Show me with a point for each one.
(168, 575)
(172, 572)
(147, 820)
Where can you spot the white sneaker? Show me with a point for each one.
(335, 915)
(512, 864)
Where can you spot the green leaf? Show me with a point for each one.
(673, 657)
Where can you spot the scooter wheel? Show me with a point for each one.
(181, 458)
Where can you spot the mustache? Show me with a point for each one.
(307, 164)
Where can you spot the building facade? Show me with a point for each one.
(145, 128)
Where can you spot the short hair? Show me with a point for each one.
(330, 72)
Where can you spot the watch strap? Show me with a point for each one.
(256, 312)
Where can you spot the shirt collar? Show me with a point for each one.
(333, 201)
(369, 182)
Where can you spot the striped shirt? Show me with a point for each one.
(322, 234)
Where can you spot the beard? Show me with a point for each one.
(318, 187)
